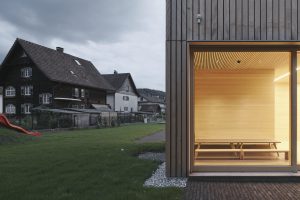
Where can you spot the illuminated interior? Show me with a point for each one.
(298, 109)
(242, 109)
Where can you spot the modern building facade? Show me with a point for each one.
(32, 75)
(232, 86)
(125, 95)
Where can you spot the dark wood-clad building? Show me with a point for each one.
(33, 75)
(232, 88)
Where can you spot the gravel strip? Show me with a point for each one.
(153, 156)
(159, 179)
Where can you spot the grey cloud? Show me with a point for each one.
(74, 20)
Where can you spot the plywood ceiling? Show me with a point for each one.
(240, 60)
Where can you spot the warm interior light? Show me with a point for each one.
(284, 75)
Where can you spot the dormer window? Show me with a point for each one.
(10, 91)
(77, 62)
(26, 72)
(26, 90)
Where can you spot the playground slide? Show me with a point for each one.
(4, 121)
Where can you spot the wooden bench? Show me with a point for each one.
(197, 151)
(243, 151)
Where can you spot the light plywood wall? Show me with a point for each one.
(234, 104)
(282, 114)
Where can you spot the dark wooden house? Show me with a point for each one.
(33, 75)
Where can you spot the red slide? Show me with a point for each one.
(4, 121)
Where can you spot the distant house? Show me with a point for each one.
(125, 97)
(32, 75)
(152, 101)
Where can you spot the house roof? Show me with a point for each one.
(118, 79)
(62, 67)
(151, 99)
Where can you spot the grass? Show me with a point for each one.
(89, 164)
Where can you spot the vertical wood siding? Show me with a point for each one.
(222, 20)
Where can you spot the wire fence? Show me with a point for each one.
(45, 120)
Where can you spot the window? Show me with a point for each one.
(126, 98)
(82, 93)
(45, 98)
(127, 89)
(27, 90)
(26, 108)
(125, 108)
(10, 91)
(10, 109)
(75, 106)
(77, 62)
(76, 92)
(26, 72)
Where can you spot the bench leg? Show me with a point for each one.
(286, 155)
(274, 144)
(242, 155)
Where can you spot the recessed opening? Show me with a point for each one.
(242, 109)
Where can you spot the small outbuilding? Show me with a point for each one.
(232, 86)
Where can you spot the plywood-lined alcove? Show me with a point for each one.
(242, 95)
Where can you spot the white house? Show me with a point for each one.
(125, 97)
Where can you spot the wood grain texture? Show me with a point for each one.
(236, 105)
(222, 20)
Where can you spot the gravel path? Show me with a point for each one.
(153, 138)
(158, 178)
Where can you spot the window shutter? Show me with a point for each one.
(22, 72)
(22, 90)
(50, 98)
(41, 99)
(30, 72)
(31, 90)
(22, 108)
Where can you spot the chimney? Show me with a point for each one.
(115, 72)
(60, 49)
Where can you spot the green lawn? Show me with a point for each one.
(87, 164)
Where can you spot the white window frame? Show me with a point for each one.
(82, 93)
(125, 98)
(46, 98)
(27, 90)
(10, 91)
(27, 108)
(10, 109)
(76, 92)
(26, 72)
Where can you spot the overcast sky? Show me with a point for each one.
(127, 36)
